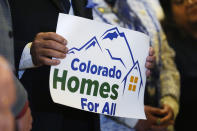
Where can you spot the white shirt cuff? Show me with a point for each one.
(26, 59)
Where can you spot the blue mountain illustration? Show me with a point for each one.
(91, 43)
(112, 34)
(115, 58)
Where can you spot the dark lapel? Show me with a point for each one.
(80, 9)
(62, 5)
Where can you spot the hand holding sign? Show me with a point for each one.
(150, 61)
(157, 119)
(47, 45)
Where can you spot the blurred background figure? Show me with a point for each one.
(162, 88)
(155, 4)
(180, 25)
(7, 96)
(19, 108)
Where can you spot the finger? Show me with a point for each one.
(163, 125)
(52, 53)
(149, 65)
(167, 118)
(53, 36)
(50, 44)
(151, 59)
(153, 110)
(148, 73)
(166, 109)
(151, 51)
(48, 61)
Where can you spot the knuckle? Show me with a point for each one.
(36, 41)
(50, 34)
(39, 35)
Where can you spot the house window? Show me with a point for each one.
(133, 83)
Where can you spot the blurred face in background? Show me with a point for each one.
(7, 96)
(185, 15)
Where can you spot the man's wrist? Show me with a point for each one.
(170, 101)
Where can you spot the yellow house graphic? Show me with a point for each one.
(133, 80)
(133, 83)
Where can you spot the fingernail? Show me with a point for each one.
(66, 50)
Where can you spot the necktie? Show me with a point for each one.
(65, 4)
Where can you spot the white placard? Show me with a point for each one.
(104, 70)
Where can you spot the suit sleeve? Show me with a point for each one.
(21, 98)
(18, 50)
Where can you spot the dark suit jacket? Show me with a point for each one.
(7, 50)
(29, 18)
